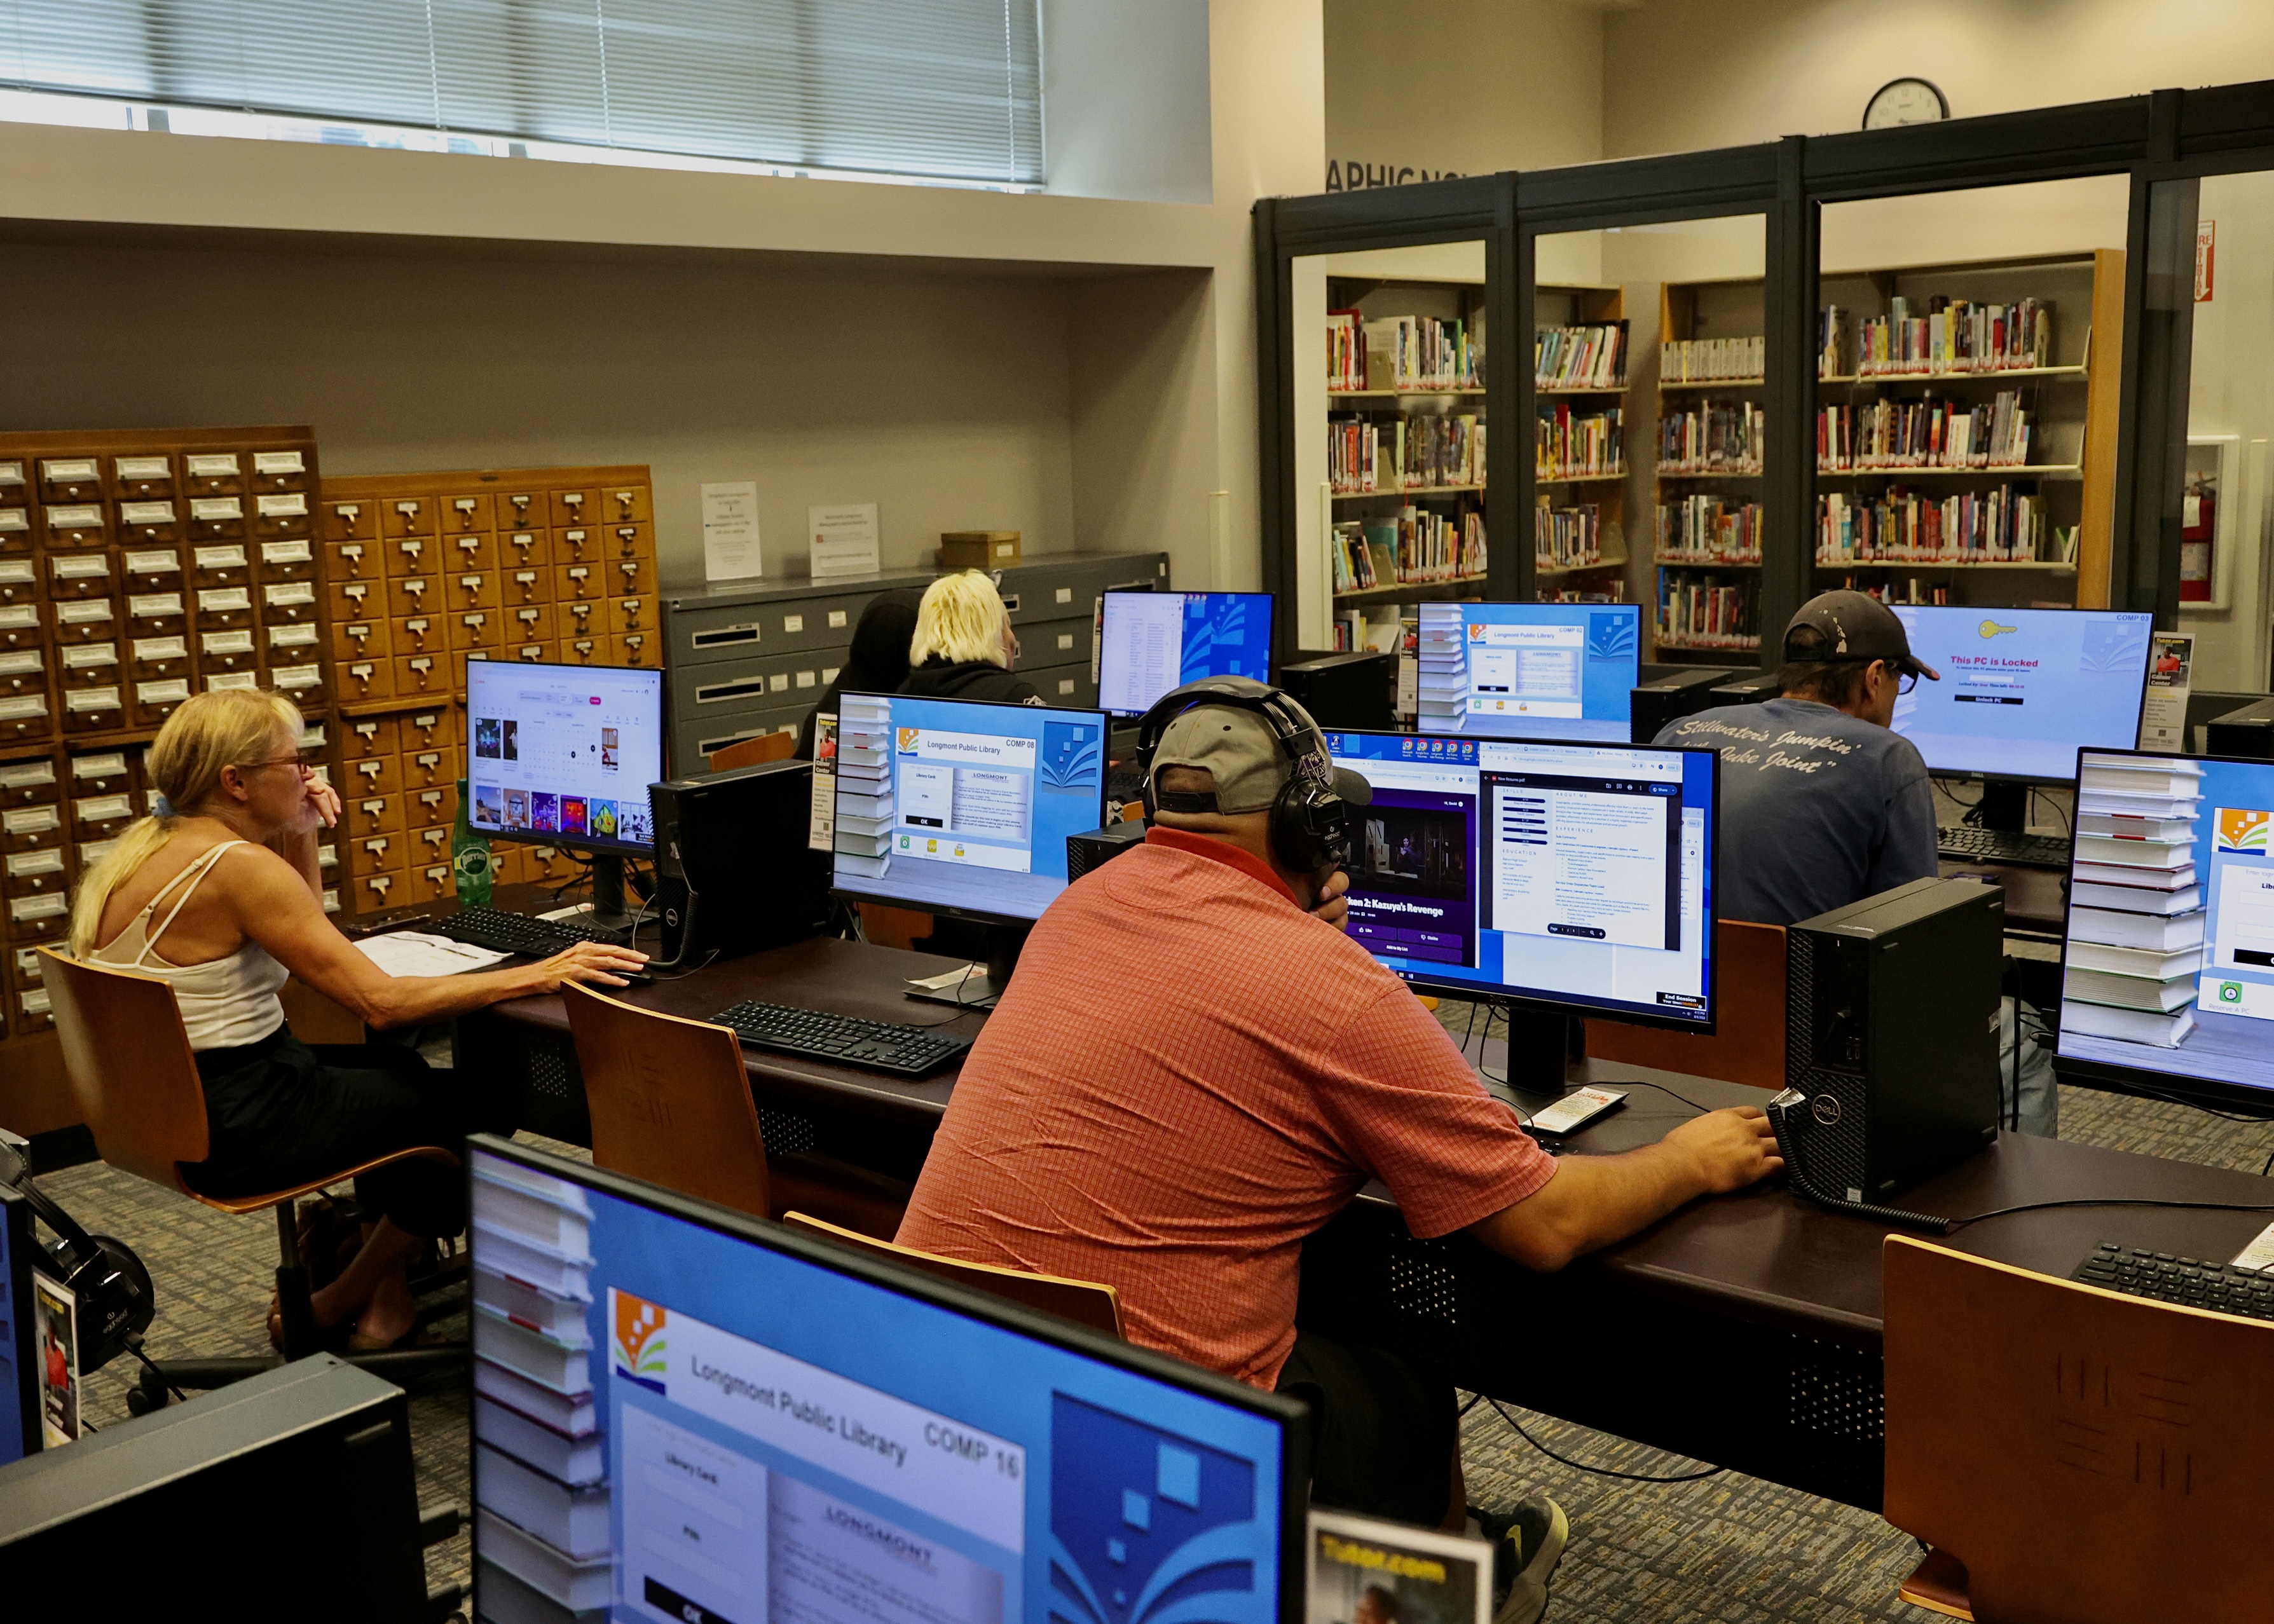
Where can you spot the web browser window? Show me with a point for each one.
(563, 751)
(1150, 642)
(960, 805)
(1532, 671)
(674, 1421)
(1577, 873)
(2023, 690)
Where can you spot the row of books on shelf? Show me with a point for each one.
(1405, 454)
(1418, 547)
(1705, 614)
(1708, 529)
(1568, 537)
(1608, 592)
(2136, 914)
(1954, 335)
(1907, 590)
(1933, 432)
(1713, 437)
(1711, 360)
(1574, 445)
(1384, 628)
(2000, 526)
(1402, 352)
(1580, 357)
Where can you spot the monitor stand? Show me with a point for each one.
(970, 991)
(1538, 1051)
(607, 894)
(2005, 806)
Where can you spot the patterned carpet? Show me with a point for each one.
(1731, 1550)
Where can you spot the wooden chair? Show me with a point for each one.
(883, 926)
(755, 751)
(2072, 1454)
(670, 1103)
(1084, 1302)
(1747, 1045)
(135, 1082)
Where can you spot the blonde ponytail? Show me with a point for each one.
(228, 727)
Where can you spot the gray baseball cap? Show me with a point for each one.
(1238, 748)
(1855, 626)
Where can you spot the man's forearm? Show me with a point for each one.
(1592, 1201)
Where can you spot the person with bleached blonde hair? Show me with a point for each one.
(964, 646)
(217, 892)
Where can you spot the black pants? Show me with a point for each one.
(281, 1113)
(1385, 1430)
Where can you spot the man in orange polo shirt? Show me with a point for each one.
(1194, 1069)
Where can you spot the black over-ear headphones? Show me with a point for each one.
(116, 1301)
(1310, 826)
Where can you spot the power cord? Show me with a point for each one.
(1599, 1471)
(132, 1342)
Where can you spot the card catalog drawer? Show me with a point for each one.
(93, 710)
(407, 515)
(432, 883)
(15, 532)
(470, 554)
(530, 653)
(71, 479)
(476, 628)
(89, 665)
(366, 679)
(365, 738)
(37, 919)
(24, 828)
(91, 574)
(630, 541)
(151, 569)
(370, 814)
(584, 651)
(286, 560)
(435, 729)
(286, 602)
(100, 772)
(155, 615)
(217, 681)
(575, 507)
(579, 543)
(436, 804)
(420, 633)
(354, 521)
(301, 681)
(216, 518)
(427, 844)
(144, 477)
(635, 649)
(525, 550)
(387, 854)
(154, 701)
(428, 765)
(352, 561)
(85, 620)
(141, 522)
(520, 510)
(220, 564)
(99, 816)
(413, 594)
(26, 718)
(34, 874)
(470, 589)
(466, 511)
(212, 473)
(422, 673)
(630, 577)
(413, 555)
(149, 659)
(228, 651)
(585, 618)
(360, 640)
(279, 469)
(30, 781)
(528, 622)
(19, 581)
(572, 582)
(222, 608)
(375, 775)
(631, 614)
(374, 893)
(15, 483)
(354, 600)
(516, 587)
(292, 644)
(76, 524)
(23, 625)
(24, 671)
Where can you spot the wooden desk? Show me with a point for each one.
(1743, 1331)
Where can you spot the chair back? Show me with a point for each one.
(133, 1075)
(751, 752)
(2090, 1458)
(670, 1101)
(1747, 1045)
(1082, 1301)
(885, 926)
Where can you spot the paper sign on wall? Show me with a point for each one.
(2164, 716)
(843, 536)
(730, 531)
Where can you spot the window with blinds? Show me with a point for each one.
(949, 89)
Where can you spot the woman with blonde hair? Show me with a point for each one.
(218, 893)
(964, 646)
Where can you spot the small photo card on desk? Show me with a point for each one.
(1364, 1570)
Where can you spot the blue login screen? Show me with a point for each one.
(1530, 671)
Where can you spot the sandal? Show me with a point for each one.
(416, 1337)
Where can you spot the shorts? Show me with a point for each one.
(1385, 1429)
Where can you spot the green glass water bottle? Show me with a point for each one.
(469, 858)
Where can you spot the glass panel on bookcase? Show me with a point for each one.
(1396, 407)
(1692, 293)
(1582, 354)
(1968, 345)
(2224, 580)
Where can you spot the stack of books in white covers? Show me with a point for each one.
(2135, 933)
(541, 1491)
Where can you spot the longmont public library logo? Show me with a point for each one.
(2244, 831)
(636, 1349)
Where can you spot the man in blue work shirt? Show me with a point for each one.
(1822, 802)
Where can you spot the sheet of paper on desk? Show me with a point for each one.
(414, 953)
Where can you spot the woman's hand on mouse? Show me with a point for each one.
(595, 963)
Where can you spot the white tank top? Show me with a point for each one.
(226, 1002)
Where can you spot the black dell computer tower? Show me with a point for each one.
(1351, 691)
(2246, 732)
(733, 871)
(1675, 692)
(1892, 1017)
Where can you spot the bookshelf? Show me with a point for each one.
(1582, 364)
(1706, 534)
(1405, 428)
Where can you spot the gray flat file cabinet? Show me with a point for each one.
(745, 657)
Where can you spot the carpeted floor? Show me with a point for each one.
(1729, 1549)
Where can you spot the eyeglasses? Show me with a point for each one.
(307, 761)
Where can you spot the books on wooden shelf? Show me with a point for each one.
(1345, 353)
(1954, 335)
(1701, 614)
(1711, 360)
(2001, 525)
(1612, 592)
(1830, 341)
(1422, 352)
(1418, 547)
(1405, 454)
(1580, 357)
(1708, 529)
(2137, 925)
(1574, 445)
(1568, 537)
(1932, 433)
(1713, 437)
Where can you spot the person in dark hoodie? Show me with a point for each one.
(964, 646)
(879, 661)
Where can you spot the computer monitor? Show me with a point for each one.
(961, 806)
(1529, 671)
(1150, 642)
(20, 1385)
(563, 756)
(2023, 690)
(1574, 877)
(682, 1412)
(2167, 973)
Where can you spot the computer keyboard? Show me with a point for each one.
(872, 1045)
(1962, 844)
(517, 933)
(2193, 1283)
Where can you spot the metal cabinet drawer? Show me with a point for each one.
(1068, 686)
(790, 621)
(1058, 586)
(774, 681)
(693, 738)
(1056, 643)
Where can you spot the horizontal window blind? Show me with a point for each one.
(946, 88)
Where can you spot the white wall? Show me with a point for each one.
(2231, 392)
(1126, 99)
